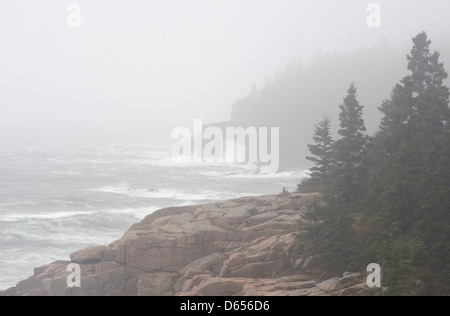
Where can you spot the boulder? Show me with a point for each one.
(330, 285)
(113, 279)
(259, 269)
(211, 263)
(352, 291)
(350, 277)
(45, 284)
(307, 285)
(236, 216)
(90, 286)
(216, 287)
(58, 286)
(89, 255)
(298, 285)
(164, 259)
(103, 267)
(27, 285)
(261, 218)
(156, 284)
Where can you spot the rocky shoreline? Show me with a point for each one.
(245, 246)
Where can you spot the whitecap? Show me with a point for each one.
(173, 194)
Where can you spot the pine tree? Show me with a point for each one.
(349, 151)
(322, 150)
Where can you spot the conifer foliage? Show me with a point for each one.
(322, 150)
(349, 151)
(403, 204)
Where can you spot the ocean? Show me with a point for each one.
(55, 200)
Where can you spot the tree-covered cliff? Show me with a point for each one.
(298, 95)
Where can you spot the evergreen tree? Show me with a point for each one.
(415, 130)
(401, 218)
(418, 108)
(322, 150)
(330, 222)
(349, 151)
(412, 190)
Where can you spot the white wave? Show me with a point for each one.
(152, 159)
(281, 175)
(138, 213)
(13, 204)
(203, 163)
(172, 193)
(29, 216)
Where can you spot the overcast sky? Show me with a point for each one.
(136, 69)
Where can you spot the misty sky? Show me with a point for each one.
(136, 69)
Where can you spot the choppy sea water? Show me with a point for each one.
(56, 200)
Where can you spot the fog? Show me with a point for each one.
(134, 70)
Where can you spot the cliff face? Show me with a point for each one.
(244, 246)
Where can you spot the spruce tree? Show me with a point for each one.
(415, 131)
(412, 190)
(332, 222)
(401, 218)
(349, 151)
(418, 108)
(322, 150)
